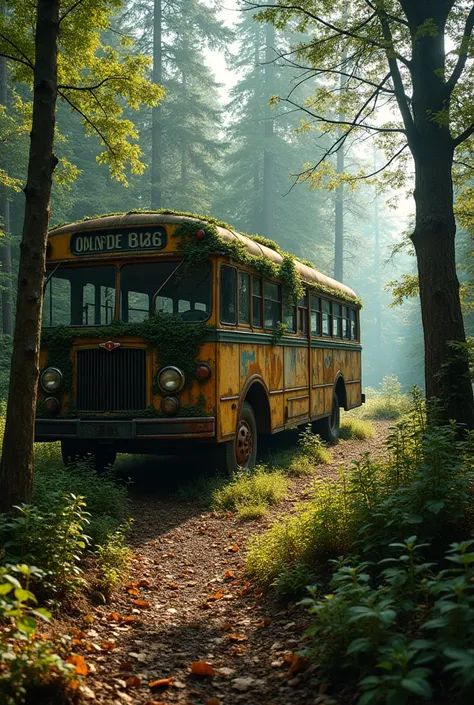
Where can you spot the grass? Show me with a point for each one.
(388, 402)
(356, 429)
(250, 495)
(311, 451)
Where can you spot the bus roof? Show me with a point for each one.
(109, 222)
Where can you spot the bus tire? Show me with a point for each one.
(104, 459)
(241, 453)
(328, 428)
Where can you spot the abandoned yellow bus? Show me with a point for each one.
(165, 332)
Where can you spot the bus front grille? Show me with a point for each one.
(111, 381)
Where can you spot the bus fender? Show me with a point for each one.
(340, 390)
(255, 392)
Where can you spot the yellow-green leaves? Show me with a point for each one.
(96, 80)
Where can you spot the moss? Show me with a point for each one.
(175, 342)
(237, 250)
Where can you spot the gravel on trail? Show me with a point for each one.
(189, 609)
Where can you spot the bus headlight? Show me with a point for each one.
(51, 379)
(52, 406)
(170, 380)
(170, 406)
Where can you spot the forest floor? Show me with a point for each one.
(189, 600)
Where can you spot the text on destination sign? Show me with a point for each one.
(151, 238)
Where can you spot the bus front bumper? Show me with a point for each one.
(124, 430)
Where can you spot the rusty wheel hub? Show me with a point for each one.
(243, 443)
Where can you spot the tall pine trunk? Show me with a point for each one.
(5, 249)
(268, 156)
(157, 127)
(16, 467)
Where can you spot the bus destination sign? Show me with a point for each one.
(136, 240)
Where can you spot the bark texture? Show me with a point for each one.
(16, 467)
(5, 250)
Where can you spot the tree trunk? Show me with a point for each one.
(157, 127)
(16, 467)
(268, 157)
(446, 367)
(5, 250)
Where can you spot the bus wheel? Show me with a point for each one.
(241, 453)
(328, 428)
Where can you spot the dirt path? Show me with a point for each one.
(191, 602)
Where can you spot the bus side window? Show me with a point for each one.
(272, 304)
(327, 318)
(303, 315)
(228, 296)
(289, 318)
(346, 324)
(315, 315)
(257, 302)
(337, 320)
(354, 332)
(244, 297)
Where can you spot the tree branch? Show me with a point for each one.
(463, 136)
(15, 58)
(92, 88)
(462, 58)
(88, 121)
(26, 58)
(397, 79)
(71, 9)
(329, 25)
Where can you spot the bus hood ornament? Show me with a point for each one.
(109, 345)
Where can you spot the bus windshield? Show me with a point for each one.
(85, 296)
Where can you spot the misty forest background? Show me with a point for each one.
(230, 155)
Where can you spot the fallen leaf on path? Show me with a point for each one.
(161, 683)
(128, 618)
(245, 589)
(296, 661)
(108, 645)
(173, 586)
(79, 663)
(141, 603)
(134, 592)
(125, 666)
(229, 575)
(144, 582)
(263, 622)
(202, 668)
(213, 701)
(89, 618)
(217, 596)
(133, 682)
(236, 637)
(232, 549)
(114, 617)
(205, 606)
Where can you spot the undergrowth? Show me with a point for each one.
(250, 494)
(388, 402)
(311, 451)
(395, 620)
(356, 429)
(114, 559)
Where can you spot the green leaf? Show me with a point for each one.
(417, 687)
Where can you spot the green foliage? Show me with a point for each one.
(114, 559)
(313, 447)
(293, 581)
(175, 342)
(53, 540)
(388, 402)
(352, 428)
(107, 501)
(94, 79)
(311, 451)
(250, 494)
(27, 663)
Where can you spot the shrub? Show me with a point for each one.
(107, 502)
(388, 402)
(397, 630)
(114, 559)
(27, 663)
(293, 581)
(311, 451)
(53, 539)
(356, 429)
(259, 489)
